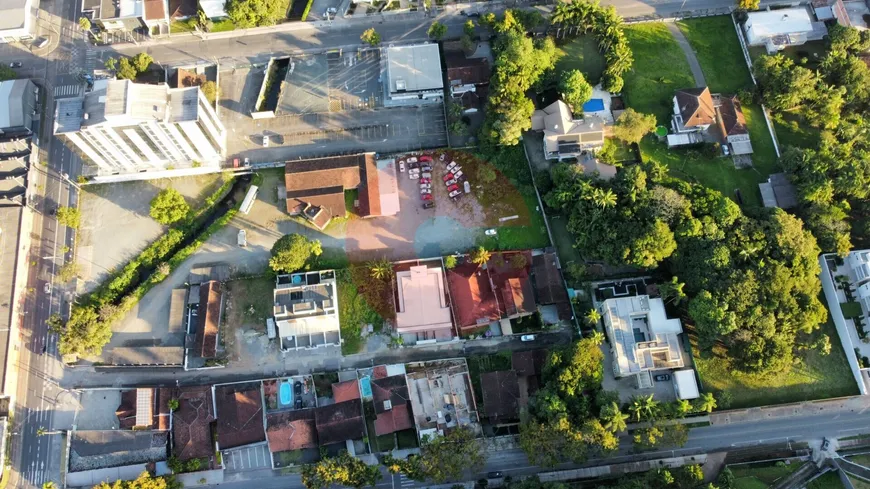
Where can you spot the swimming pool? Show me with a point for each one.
(365, 385)
(594, 105)
(285, 394)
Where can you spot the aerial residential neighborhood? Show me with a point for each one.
(409, 244)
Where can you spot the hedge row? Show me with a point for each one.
(307, 10)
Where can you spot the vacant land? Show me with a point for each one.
(761, 476)
(660, 68)
(581, 53)
(248, 303)
(816, 376)
(362, 300)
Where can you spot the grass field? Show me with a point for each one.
(859, 483)
(828, 480)
(581, 53)
(353, 311)
(660, 68)
(790, 132)
(815, 377)
(760, 476)
(715, 42)
(863, 459)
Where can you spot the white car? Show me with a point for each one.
(412, 159)
(527, 337)
(402, 166)
(426, 175)
(442, 157)
(47, 288)
(467, 186)
(490, 232)
(426, 185)
(451, 166)
(425, 191)
(265, 141)
(457, 174)
(450, 182)
(455, 193)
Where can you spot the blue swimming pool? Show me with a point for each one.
(365, 385)
(594, 105)
(285, 394)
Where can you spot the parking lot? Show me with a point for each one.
(354, 80)
(247, 458)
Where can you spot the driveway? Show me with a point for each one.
(247, 458)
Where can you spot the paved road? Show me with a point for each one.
(701, 440)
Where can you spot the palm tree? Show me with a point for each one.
(673, 291)
(593, 316)
(682, 407)
(603, 198)
(597, 337)
(381, 269)
(562, 14)
(706, 403)
(480, 256)
(643, 407)
(614, 419)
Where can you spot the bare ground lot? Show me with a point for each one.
(116, 225)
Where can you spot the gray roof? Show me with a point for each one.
(10, 221)
(148, 355)
(786, 196)
(68, 113)
(13, 14)
(414, 68)
(103, 449)
(15, 101)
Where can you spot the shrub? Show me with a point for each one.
(70, 217)
(169, 206)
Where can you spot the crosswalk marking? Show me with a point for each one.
(67, 90)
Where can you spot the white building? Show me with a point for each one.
(414, 74)
(16, 20)
(306, 310)
(642, 338)
(124, 129)
(776, 29)
(18, 100)
(565, 136)
(686, 385)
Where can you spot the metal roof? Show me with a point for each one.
(414, 68)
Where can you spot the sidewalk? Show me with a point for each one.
(831, 406)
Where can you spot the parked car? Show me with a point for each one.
(402, 166)
(15, 64)
(442, 157)
(450, 182)
(426, 197)
(454, 193)
(490, 232)
(467, 186)
(426, 158)
(412, 159)
(297, 388)
(726, 150)
(425, 180)
(265, 141)
(426, 175)
(527, 337)
(451, 165)
(456, 168)
(447, 177)
(413, 164)
(426, 186)
(662, 377)
(247, 162)
(494, 475)
(425, 191)
(298, 403)
(453, 187)
(428, 204)
(426, 167)
(47, 288)
(458, 174)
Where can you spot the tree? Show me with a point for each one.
(593, 317)
(84, 23)
(381, 269)
(614, 419)
(643, 407)
(144, 481)
(437, 30)
(111, 64)
(84, 334)
(173, 404)
(576, 91)
(292, 252)
(126, 70)
(68, 272)
(672, 291)
(55, 323)
(632, 126)
(596, 338)
(169, 206)
(449, 261)
(447, 457)
(468, 36)
(210, 91)
(371, 37)
(479, 255)
(70, 217)
(706, 403)
(689, 476)
(344, 470)
(748, 4)
(253, 13)
(49, 485)
(142, 62)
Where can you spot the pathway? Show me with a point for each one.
(690, 54)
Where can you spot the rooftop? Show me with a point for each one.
(345, 391)
(527, 363)
(473, 299)
(549, 285)
(441, 395)
(501, 395)
(337, 423)
(642, 337)
(17, 103)
(239, 415)
(392, 405)
(192, 423)
(163, 356)
(14, 14)
(779, 22)
(422, 300)
(291, 430)
(210, 303)
(306, 313)
(563, 133)
(322, 182)
(414, 68)
(462, 70)
(509, 274)
(90, 450)
(695, 107)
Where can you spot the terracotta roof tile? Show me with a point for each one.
(345, 391)
(472, 298)
(209, 318)
(696, 106)
(501, 393)
(240, 415)
(191, 423)
(339, 422)
(291, 430)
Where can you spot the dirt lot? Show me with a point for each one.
(116, 225)
(247, 305)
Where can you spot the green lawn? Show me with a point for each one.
(851, 309)
(829, 480)
(815, 377)
(760, 476)
(660, 68)
(353, 312)
(223, 26)
(860, 459)
(790, 132)
(177, 26)
(715, 42)
(581, 53)
(859, 483)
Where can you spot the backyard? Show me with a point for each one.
(815, 376)
(581, 53)
(761, 476)
(481, 364)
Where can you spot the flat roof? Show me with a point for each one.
(414, 68)
(779, 22)
(14, 14)
(14, 97)
(422, 304)
(687, 386)
(642, 337)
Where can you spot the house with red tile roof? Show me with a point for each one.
(291, 430)
(345, 391)
(239, 415)
(144, 408)
(392, 405)
(501, 395)
(192, 424)
(337, 423)
(210, 306)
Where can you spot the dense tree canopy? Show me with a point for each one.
(292, 252)
(752, 281)
(169, 206)
(343, 470)
(84, 333)
(144, 481)
(441, 458)
(254, 13)
(632, 126)
(576, 91)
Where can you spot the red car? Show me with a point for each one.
(425, 158)
(449, 176)
(425, 180)
(452, 188)
(426, 196)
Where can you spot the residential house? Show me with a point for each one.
(501, 395)
(422, 308)
(315, 188)
(442, 397)
(473, 299)
(108, 456)
(642, 338)
(345, 391)
(340, 422)
(291, 430)
(129, 15)
(778, 191)
(529, 365)
(550, 292)
(831, 10)
(392, 405)
(413, 74)
(777, 29)
(239, 415)
(696, 110)
(306, 310)
(144, 408)
(565, 136)
(192, 425)
(468, 79)
(209, 316)
(732, 124)
(685, 384)
(693, 110)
